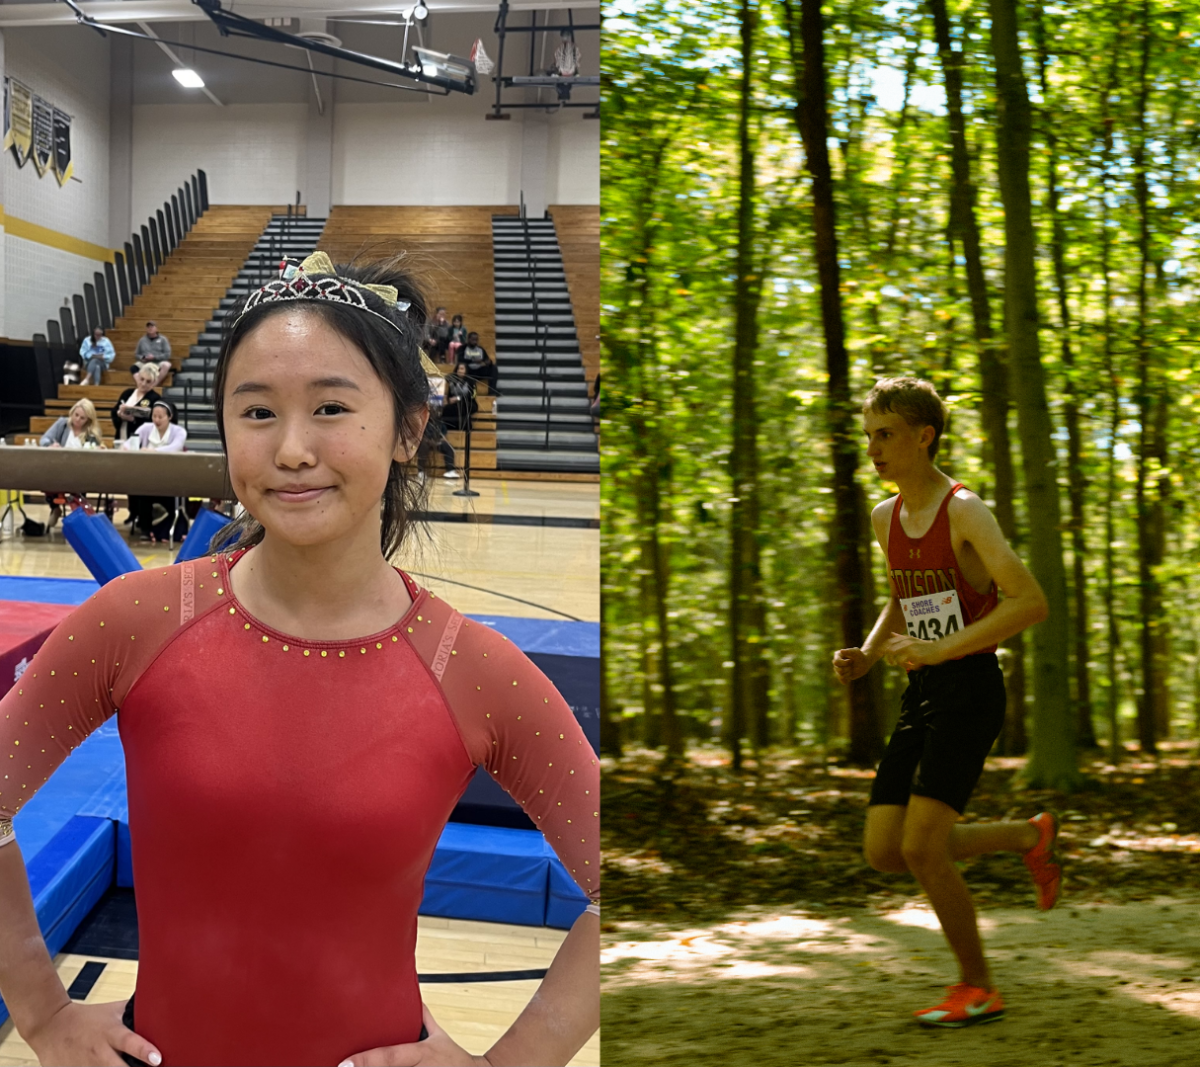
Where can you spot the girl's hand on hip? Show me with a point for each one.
(92, 1034)
(437, 1050)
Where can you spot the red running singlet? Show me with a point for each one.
(920, 566)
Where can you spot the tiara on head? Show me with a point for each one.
(316, 279)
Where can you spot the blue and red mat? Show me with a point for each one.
(74, 834)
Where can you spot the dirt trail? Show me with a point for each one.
(1096, 984)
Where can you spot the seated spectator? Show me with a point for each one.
(434, 435)
(97, 354)
(79, 429)
(480, 366)
(154, 348)
(132, 410)
(439, 334)
(460, 403)
(458, 338)
(153, 516)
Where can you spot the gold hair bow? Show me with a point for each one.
(320, 263)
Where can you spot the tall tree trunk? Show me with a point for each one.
(1053, 760)
(1076, 482)
(808, 60)
(1152, 708)
(1116, 750)
(610, 720)
(745, 574)
(655, 480)
(626, 333)
(993, 374)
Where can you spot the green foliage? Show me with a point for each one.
(669, 180)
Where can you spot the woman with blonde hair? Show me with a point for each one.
(79, 429)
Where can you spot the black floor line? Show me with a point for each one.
(86, 978)
(483, 976)
(567, 521)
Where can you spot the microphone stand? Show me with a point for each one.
(466, 489)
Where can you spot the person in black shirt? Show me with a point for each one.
(480, 366)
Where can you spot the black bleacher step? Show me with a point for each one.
(525, 302)
(534, 335)
(581, 442)
(537, 424)
(560, 372)
(524, 404)
(554, 358)
(558, 462)
(510, 360)
(528, 348)
(532, 386)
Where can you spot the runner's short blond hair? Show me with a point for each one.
(915, 400)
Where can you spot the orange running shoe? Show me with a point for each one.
(1043, 862)
(965, 1006)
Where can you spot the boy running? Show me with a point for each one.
(946, 558)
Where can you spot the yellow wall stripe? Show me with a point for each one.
(30, 231)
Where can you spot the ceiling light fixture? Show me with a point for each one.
(188, 78)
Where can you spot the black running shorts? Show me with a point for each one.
(950, 715)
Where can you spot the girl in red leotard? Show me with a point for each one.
(299, 719)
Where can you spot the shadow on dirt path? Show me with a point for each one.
(1089, 985)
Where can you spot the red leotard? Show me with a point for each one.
(285, 798)
(918, 566)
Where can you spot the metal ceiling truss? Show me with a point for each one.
(232, 25)
(539, 80)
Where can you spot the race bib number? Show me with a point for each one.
(930, 617)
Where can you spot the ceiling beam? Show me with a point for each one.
(54, 14)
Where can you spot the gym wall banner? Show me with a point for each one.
(18, 133)
(35, 129)
(43, 135)
(63, 167)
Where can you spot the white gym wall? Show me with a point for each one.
(71, 70)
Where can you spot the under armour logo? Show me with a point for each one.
(911, 551)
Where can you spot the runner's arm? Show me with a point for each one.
(890, 621)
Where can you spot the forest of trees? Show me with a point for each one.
(798, 199)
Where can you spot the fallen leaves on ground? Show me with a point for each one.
(700, 841)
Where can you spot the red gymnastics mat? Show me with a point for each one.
(23, 628)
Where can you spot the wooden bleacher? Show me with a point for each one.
(183, 295)
(578, 228)
(449, 251)
(180, 298)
